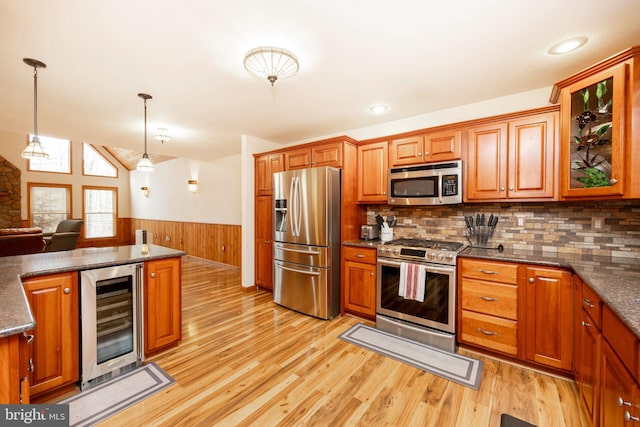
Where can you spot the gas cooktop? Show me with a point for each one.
(434, 251)
(427, 244)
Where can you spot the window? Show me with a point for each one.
(100, 211)
(59, 160)
(93, 163)
(48, 205)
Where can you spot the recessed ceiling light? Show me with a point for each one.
(378, 109)
(568, 45)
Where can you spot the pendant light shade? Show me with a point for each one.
(34, 150)
(145, 164)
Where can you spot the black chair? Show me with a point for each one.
(65, 237)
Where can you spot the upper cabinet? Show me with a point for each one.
(329, 154)
(429, 147)
(265, 167)
(512, 159)
(372, 172)
(598, 127)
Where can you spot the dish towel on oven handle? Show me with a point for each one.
(412, 281)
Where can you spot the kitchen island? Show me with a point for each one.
(46, 334)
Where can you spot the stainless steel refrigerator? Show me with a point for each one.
(307, 241)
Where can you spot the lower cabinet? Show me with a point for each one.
(359, 281)
(516, 309)
(162, 304)
(620, 404)
(14, 369)
(54, 353)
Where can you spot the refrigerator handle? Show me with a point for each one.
(298, 203)
(292, 207)
(295, 270)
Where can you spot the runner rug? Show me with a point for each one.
(98, 403)
(452, 366)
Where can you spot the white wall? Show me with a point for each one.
(250, 145)
(11, 146)
(217, 201)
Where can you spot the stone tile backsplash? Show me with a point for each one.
(564, 227)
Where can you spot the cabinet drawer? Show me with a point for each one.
(493, 271)
(493, 333)
(495, 299)
(592, 304)
(353, 253)
(621, 339)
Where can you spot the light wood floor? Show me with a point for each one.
(246, 361)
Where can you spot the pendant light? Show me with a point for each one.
(34, 150)
(145, 164)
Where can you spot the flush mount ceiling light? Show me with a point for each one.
(34, 150)
(271, 63)
(162, 135)
(378, 109)
(568, 45)
(145, 164)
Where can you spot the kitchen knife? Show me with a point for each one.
(379, 220)
(482, 220)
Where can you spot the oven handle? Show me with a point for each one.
(446, 269)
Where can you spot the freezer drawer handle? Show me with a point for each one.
(300, 251)
(310, 273)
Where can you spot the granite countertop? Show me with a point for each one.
(615, 279)
(16, 317)
(363, 243)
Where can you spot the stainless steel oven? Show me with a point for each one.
(427, 316)
(111, 326)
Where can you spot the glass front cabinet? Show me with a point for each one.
(600, 126)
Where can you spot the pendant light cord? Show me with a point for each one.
(35, 102)
(145, 126)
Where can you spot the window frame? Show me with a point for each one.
(47, 171)
(105, 159)
(115, 213)
(30, 186)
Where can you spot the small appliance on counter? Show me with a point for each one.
(370, 232)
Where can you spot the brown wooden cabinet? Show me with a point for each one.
(372, 172)
(359, 281)
(14, 369)
(488, 313)
(264, 242)
(512, 159)
(54, 352)
(329, 154)
(619, 398)
(587, 345)
(162, 303)
(599, 127)
(265, 166)
(549, 298)
(430, 147)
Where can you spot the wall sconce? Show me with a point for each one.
(145, 191)
(193, 185)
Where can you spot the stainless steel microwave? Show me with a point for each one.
(427, 184)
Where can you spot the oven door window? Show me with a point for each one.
(114, 317)
(415, 187)
(436, 302)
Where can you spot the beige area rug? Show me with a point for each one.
(98, 403)
(452, 366)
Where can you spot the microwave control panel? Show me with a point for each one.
(450, 185)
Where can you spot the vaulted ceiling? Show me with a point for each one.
(414, 56)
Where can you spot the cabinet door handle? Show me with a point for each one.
(531, 280)
(29, 337)
(67, 290)
(153, 275)
(419, 154)
(30, 364)
(484, 331)
(487, 271)
(585, 324)
(629, 417)
(487, 298)
(613, 181)
(587, 302)
(426, 153)
(372, 274)
(622, 402)
(360, 256)
(510, 188)
(501, 188)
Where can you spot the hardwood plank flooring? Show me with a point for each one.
(246, 361)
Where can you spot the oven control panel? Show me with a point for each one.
(436, 256)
